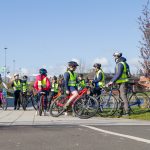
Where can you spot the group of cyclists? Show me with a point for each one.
(71, 83)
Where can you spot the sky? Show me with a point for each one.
(49, 33)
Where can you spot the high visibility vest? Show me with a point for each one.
(124, 76)
(17, 85)
(82, 84)
(42, 83)
(72, 80)
(102, 82)
(24, 86)
(54, 87)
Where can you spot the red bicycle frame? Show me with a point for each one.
(65, 99)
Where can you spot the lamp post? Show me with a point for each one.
(14, 66)
(5, 62)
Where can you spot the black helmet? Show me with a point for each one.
(25, 77)
(117, 54)
(97, 65)
(72, 64)
(43, 71)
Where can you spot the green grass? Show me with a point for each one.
(141, 114)
(144, 116)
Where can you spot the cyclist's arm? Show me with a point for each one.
(66, 78)
(36, 84)
(117, 73)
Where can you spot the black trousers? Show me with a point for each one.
(17, 98)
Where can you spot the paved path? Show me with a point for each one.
(29, 117)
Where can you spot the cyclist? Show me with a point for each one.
(54, 89)
(70, 78)
(81, 81)
(99, 79)
(42, 84)
(16, 84)
(122, 72)
(25, 84)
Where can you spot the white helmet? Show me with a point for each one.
(16, 74)
(117, 54)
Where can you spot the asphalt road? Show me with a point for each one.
(71, 138)
(24, 130)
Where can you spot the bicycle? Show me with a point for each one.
(139, 102)
(29, 98)
(136, 101)
(40, 106)
(83, 106)
(107, 101)
(53, 98)
(3, 103)
(23, 99)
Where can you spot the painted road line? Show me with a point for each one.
(119, 134)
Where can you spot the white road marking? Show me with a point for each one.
(118, 134)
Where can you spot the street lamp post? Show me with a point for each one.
(14, 65)
(5, 62)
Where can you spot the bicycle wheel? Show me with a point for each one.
(24, 102)
(40, 105)
(85, 107)
(107, 105)
(56, 108)
(34, 100)
(139, 103)
(4, 104)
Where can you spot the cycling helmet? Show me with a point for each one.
(16, 74)
(117, 54)
(43, 71)
(97, 65)
(25, 77)
(72, 64)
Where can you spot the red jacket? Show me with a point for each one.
(39, 78)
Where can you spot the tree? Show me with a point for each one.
(144, 22)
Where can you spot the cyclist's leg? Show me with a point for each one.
(74, 93)
(123, 95)
(16, 96)
(52, 94)
(18, 99)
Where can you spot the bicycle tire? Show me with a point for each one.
(4, 104)
(108, 105)
(34, 101)
(24, 102)
(139, 102)
(40, 105)
(56, 108)
(85, 107)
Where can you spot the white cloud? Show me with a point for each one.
(104, 61)
(106, 65)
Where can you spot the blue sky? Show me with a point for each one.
(49, 33)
